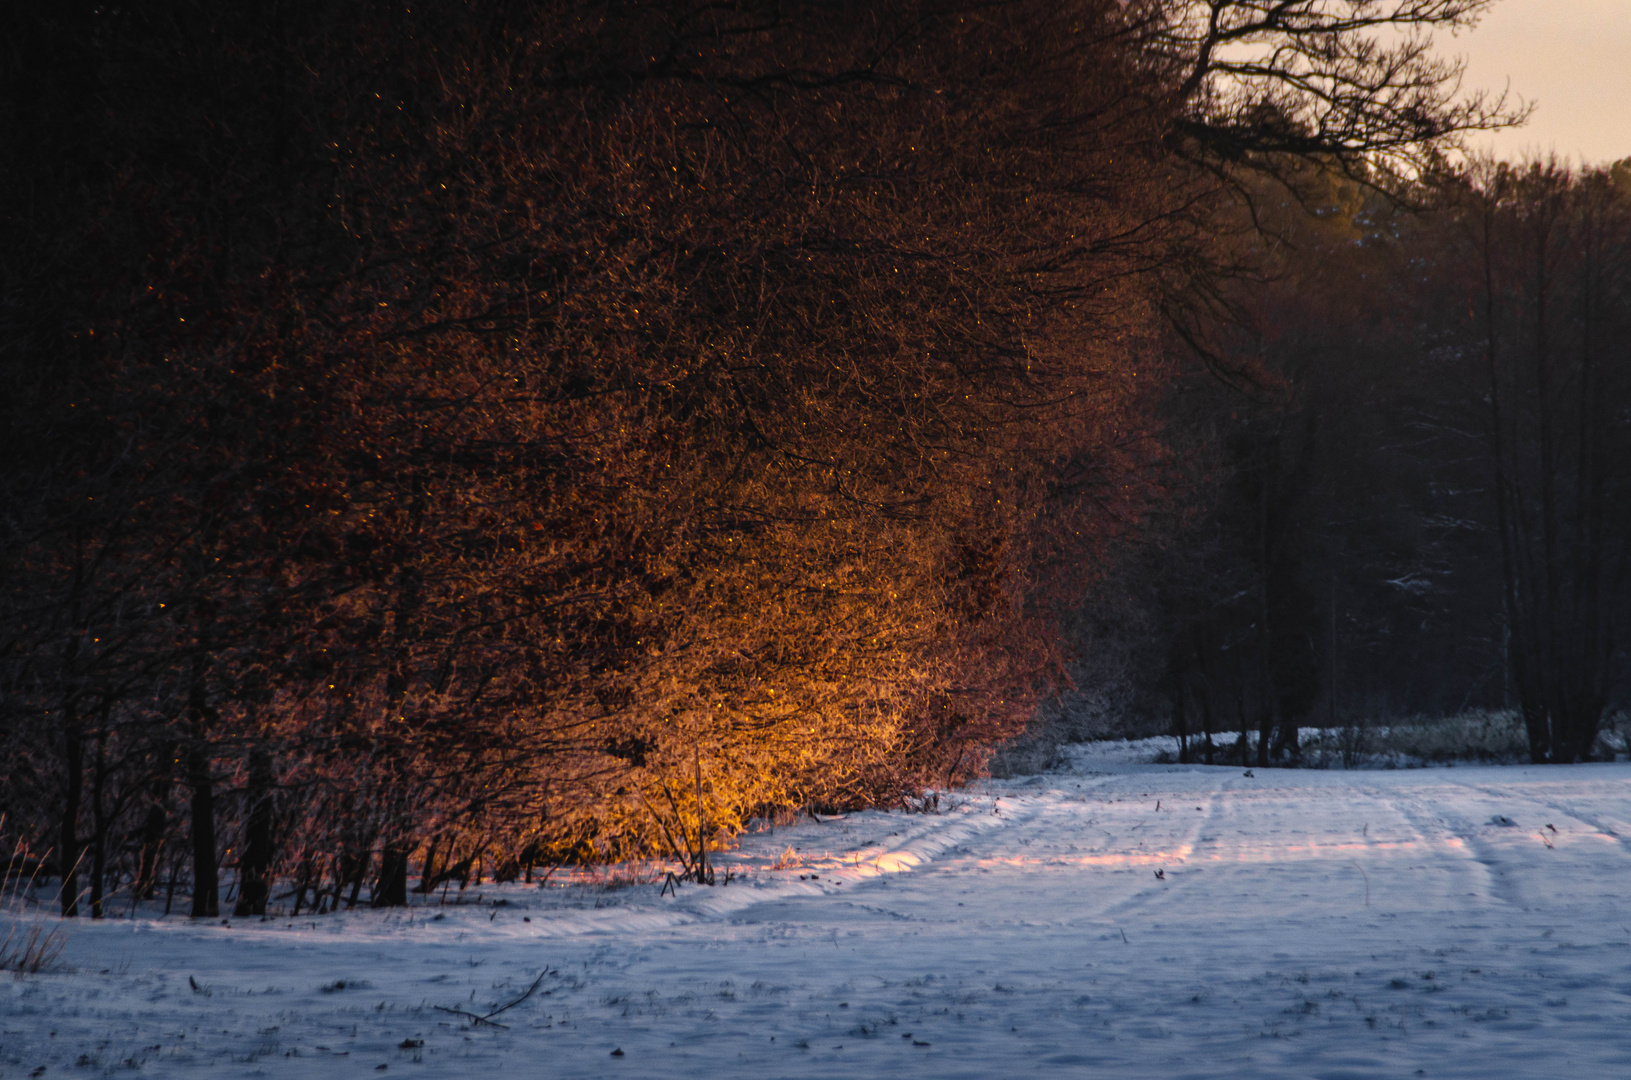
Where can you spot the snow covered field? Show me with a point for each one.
(1465, 922)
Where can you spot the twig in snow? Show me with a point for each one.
(1366, 876)
(476, 1021)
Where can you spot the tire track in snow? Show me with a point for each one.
(1465, 836)
(1246, 822)
(1217, 809)
(1065, 815)
(1592, 819)
(1323, 836)
(928, 839)
(1191, 847)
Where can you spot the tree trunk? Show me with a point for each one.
(427, 870)
(1268, 699)
(302, 884)
(99, 822)
(1180, 723)
(1265, 731)
(206, 883)
(360, 871)
(70, 852)
(1288, 743)
(158, 793)
(1205, 699)
(255, 864)
(1245, 746)
(704, 874)
(392, 890)
(1206, 725)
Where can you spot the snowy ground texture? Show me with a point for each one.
(1463, 922)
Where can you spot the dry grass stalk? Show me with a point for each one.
(31, 942)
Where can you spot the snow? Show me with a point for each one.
(1464, 922)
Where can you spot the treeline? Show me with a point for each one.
(1418, 500)
(461, 438)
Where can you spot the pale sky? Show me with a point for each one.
(1571, 57)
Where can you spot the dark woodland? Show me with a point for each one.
(462, 439)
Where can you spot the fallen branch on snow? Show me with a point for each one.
(477, 1021)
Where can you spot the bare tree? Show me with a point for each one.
(1352, 83)
(1554, 251)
